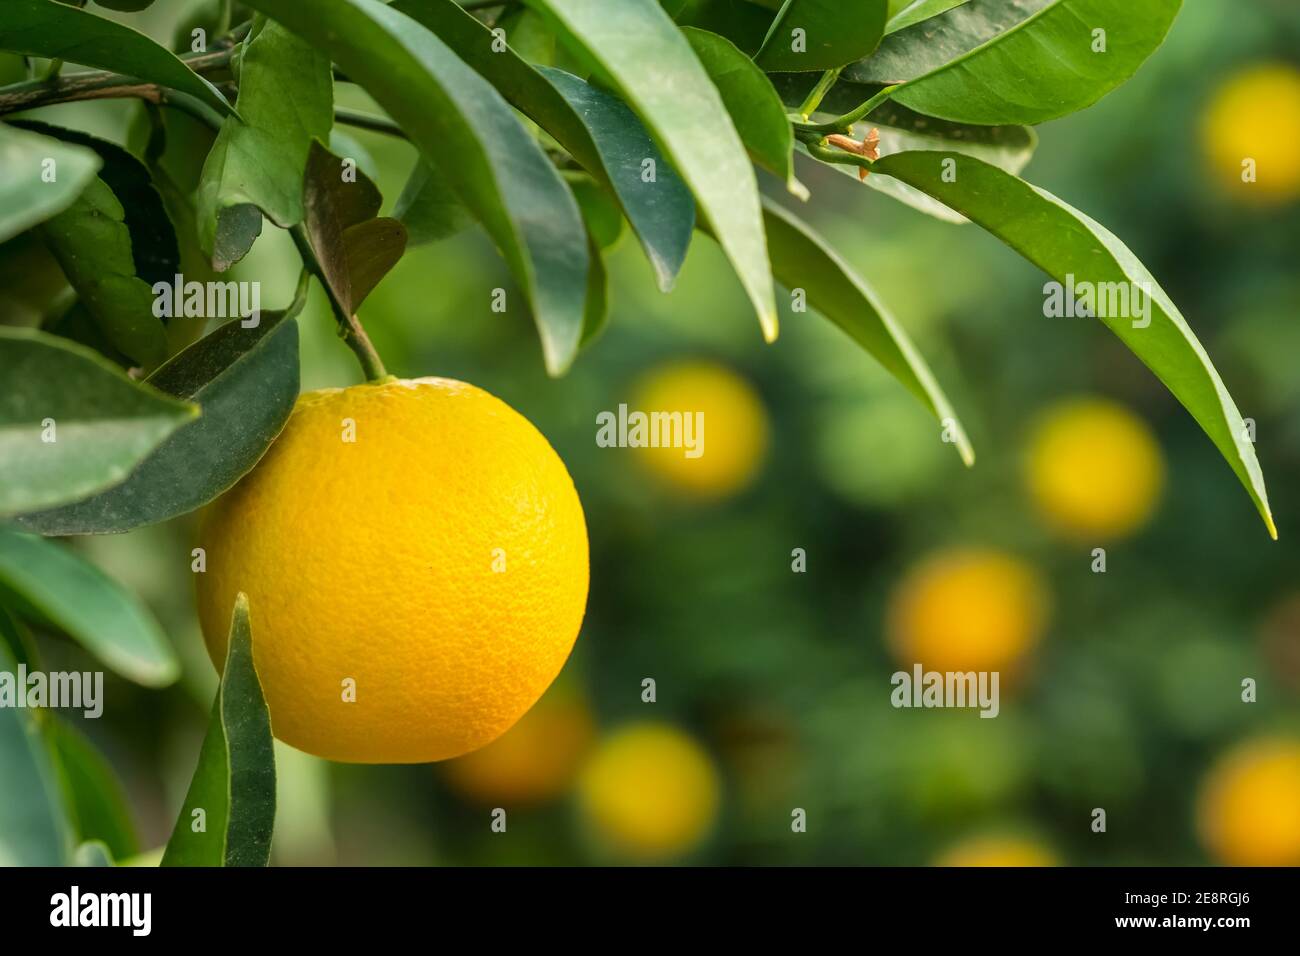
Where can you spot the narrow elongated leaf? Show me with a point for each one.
(99, 809)
(643, 55)
(801, 259)
(245, 380)
(27, 195)
(907, 13)
(286, 99)
(597, 129)
(49, 583)
(822, 34)
(355, 249)
(33, 828)
(92, 244)
(55, 31)
(233, 789)
(463, 126)
(753, 103)
(1072, 248)
(70, 422)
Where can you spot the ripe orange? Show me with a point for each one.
(1249, 811)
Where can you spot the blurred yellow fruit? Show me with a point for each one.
(415, 559)
(535, 760)
(997, 851)
(1094, 469)
(735, 429)
(1249, 812)
(967, 609)
(650, 791)
(1255, 115)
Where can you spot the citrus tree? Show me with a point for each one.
(138, 385)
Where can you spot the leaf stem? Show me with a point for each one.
(364, 120)
(814, 97)
(350, 327)
(844, 124)
(828, 155)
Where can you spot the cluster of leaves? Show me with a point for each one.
(551, 124)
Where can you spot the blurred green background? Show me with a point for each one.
(1129, 698)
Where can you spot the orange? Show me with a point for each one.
(412, 591)
(1255, 115)
(1249, 810)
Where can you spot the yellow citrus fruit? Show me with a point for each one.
(1093, 469)
(415, 559)
(734, 435)
(1255, 115)
(650, 791)
(998, 850)
(967, 610)
(1249, 811)
(535, 760)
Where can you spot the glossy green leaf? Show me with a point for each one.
(908, 13)
(753, 103)
(26, 196)
(740, 21)
(596, 128)
(55, 31)
(811, 35)
(802, 259)
(92, 244)
(428, 207)
(286, 99)
(643, 54)
(463, 126)
(49, 583)
(33, 828)
(246, 382)
(232, 792)
(1070, 247)
(71, 423)
(354, 247)
(98, 804)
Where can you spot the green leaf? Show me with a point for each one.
(753, 103)
(1065, 243)
(15, 636)
(154, 247)
(1046, 65)
(908, 13)
(596, 316)
(355, 249)
(92, 244)
(99, 808)
(234, 783)
(802, 259)
(596, 128)
(46, 582)
(246, 382)
(71, 423)
(834, 32)
(33, 830)
(286, 99)
(428, 207)
(463, 126)
(740, 21)
(125, 6)
(600, 213)
(645, 57)
(95, 853)
(26, 198)
(54, 31)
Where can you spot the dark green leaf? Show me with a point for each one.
(428, 207)
(99, 809)
(33, 830)
(597, 129)
(93, 245)
(355, 249)
(286, 99)
(743, 23)
(754, 105)
(126, 6)
(54, 31)
(99, 422)
(907, 13)
(246, 381)
(643, 55)
(1070, 247)
(822, 34)
(801, 259)
(233, 789)
(15, 636)
(596, 315)
(49, 583)
(600, 212)
(26, 197)
(464, 127)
